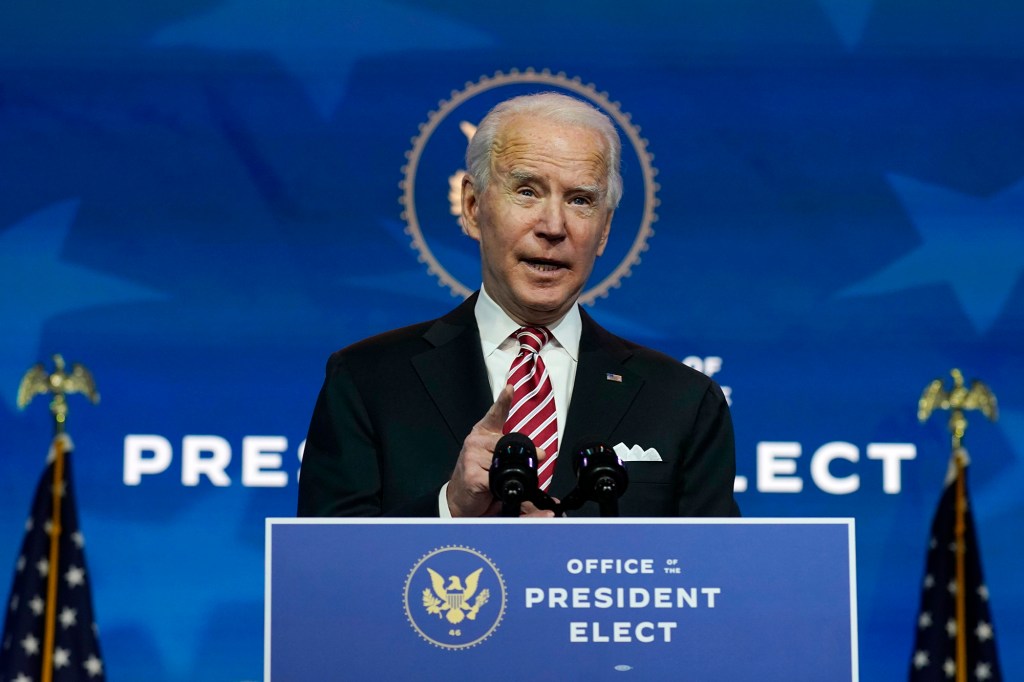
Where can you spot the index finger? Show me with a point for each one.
(495, 418)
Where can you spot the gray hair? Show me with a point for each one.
(550, 106)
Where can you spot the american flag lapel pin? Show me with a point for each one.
(617, 378)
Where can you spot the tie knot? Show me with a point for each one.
(533, 338)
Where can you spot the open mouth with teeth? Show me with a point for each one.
(543, 264)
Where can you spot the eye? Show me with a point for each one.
(527, 192)
(581, 200)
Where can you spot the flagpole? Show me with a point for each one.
(958, 400)
(58, 383)
(958, 427)
(961, 574)
(51, 578)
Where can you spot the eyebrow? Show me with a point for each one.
(522, 176)
(596, 190)
(526, 176)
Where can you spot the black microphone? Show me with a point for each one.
(600, 474)
(513, 473)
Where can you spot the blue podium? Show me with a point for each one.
(564, 599)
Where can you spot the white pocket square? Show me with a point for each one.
(636, 453)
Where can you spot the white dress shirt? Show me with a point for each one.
(500, 347)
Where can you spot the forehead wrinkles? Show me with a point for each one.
(576, 149)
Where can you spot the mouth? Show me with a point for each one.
(544, 264)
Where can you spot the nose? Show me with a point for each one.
(552, 225)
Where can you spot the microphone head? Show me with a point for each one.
(600, 473)
(515, 443)
(513, 473)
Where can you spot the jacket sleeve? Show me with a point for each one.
(709, 462)
(342, 458)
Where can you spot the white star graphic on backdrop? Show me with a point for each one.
(31, 645)
(921, 659)
(78, 539)
(983, 592)
(925, 621)
(973, 245)
(61, 657)
(43, 566)
(929, 582)
(949, 667)
(68, 617)
(75, 576)
(983, 671)
(984, 631)
(319, 45)
(21, 563)
(36, 284)
(22, 677)
(37, 605)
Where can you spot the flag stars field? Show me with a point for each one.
(73, 652)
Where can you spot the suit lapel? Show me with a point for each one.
(455, 377)
(453, 372)
(598, 403)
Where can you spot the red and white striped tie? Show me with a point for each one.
(533, 402)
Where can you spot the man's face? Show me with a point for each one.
(543, 218)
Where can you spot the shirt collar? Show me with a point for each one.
(496, 326)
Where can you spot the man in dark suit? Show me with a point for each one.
(407, 422)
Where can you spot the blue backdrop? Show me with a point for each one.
(202, 199)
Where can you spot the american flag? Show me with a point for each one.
(934, 658)
(76, 651)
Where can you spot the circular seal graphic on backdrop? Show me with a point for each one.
(432, 182)
(454, 597)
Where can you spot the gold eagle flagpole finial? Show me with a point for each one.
(959, 400)
(60, 383)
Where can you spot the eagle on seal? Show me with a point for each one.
(453, 600)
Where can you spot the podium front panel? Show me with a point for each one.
(565, 599)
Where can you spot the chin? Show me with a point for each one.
(547, 303)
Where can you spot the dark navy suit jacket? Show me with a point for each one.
(394, 410)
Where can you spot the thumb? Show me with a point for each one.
(495, 418)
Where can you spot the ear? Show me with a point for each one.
(470, 208)
(604, 233)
